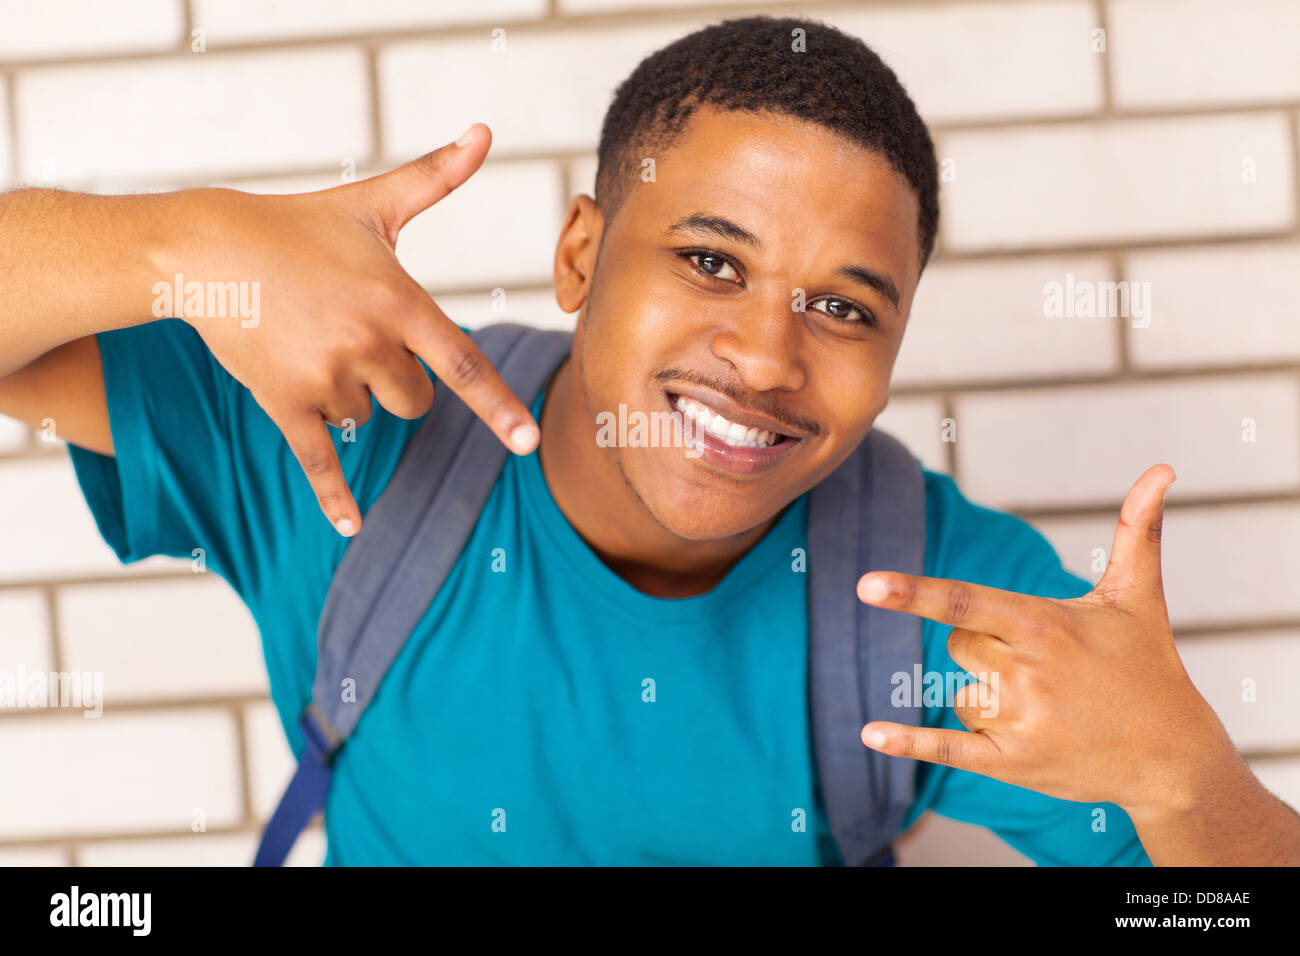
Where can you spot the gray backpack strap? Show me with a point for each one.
(869, 514)
(393, 568)
(414, 533)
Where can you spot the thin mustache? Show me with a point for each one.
(741, 398)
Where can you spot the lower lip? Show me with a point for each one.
(737, 460)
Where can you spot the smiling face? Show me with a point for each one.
(691, 306)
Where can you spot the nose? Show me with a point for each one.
(763, 348)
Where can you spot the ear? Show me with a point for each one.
(575, 252)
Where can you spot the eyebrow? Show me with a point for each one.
(723, 228)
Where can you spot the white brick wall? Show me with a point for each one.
(1129, 179)
(47, 29)
(233, 21)
(983, 61)
(1227, 304)
(1089, 443)
(1169, 159)
(208, 114)
(961, 307)
(162, 640)
(1209, 53)
(120, 772)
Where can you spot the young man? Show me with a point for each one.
(782, 172)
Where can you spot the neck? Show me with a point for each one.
(589, 488)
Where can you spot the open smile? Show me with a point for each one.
(737, 442)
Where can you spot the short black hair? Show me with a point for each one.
(750, 64)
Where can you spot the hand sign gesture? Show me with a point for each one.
(342, 321)
(1091, 701)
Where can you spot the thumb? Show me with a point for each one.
(1135, 554)
(398, 196)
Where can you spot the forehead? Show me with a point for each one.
(805, 190)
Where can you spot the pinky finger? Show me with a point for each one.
(309, 438)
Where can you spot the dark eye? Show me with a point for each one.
(712, 264)
(843, 310)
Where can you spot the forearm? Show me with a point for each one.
(72, 265)
(1227, 818)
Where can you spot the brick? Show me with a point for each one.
(222, 114)
(1281, 777)
(426, 101)
(1088, 444)
(34, 856)
(270, 761)
(1222, 565)
(14, 435)
(938, 841)
(1203, 53)
(277, 19)
(67, 28)
(1195, 289)
(499, 229)
(964, 61)
(49, 531)
(200, 849)
(1219, 663)
(984, 321)
(529, 307)
(25, 638)
(1076, 183)
(981, 61)
(162, 639)
(916, 422)
(118, 773)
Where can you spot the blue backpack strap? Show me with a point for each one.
(391, 570)
(868, 514)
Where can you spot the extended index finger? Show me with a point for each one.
(1004, 614)
(458, 362)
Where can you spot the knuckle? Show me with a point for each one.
(389, 297)
(960, 600)
(1153, 530)
(360, 340)
(906, 744)
(906, 591)
(316, 463)
(944, 749)
(430, 164)
(466, 368)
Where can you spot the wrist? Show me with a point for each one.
(1196, 778)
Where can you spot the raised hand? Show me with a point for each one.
(340, 319)
(1091, 702)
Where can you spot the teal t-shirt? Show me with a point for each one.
(543, 711)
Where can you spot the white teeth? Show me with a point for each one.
(730, 432)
